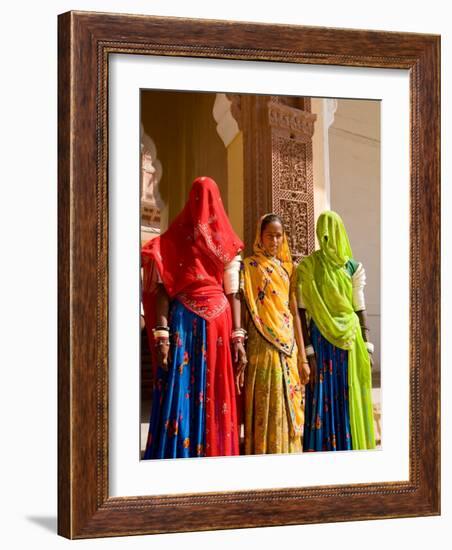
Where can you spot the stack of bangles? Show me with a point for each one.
(309, 351)
(238, 335)
(161, 335)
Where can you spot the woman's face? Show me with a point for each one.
(272, 237)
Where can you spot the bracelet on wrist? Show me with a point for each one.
(238, 333)
(160, 333)
(370, 347)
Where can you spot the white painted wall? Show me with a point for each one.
(320, 159)
(354, 146)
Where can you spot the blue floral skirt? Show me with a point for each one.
(177, 423)
(327, 417)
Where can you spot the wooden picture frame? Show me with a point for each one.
(85, 42)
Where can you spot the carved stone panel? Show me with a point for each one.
(292, 179)
(289, 163)
(295, 214)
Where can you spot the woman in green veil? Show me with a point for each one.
(338, 402)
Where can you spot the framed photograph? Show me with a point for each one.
(163, 117)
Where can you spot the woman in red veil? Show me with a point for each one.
(192, 313)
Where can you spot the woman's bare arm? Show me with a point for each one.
(303, 367)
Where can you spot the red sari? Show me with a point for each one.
(190, 257)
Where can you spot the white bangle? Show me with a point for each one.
(238, 332)
(309, 350)
(370, 347)
(161, 333)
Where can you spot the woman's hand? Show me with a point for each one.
(303, 371)
(313, 369)
(162, 354)
(239, 358)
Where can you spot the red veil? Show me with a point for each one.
(190, 257)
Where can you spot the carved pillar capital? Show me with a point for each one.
(291, 122)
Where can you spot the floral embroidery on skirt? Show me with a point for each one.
(327, 417)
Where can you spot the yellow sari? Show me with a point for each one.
(273, 405)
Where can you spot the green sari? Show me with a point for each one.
(326, 288)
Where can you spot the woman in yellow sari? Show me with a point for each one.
(277, 365)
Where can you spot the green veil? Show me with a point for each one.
(326, 288)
